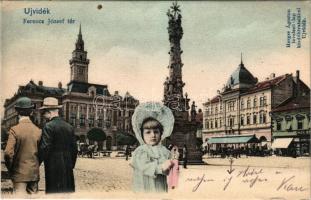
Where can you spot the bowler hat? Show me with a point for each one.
(50, 103)
(24, 103)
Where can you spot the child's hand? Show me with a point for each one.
(166, 165)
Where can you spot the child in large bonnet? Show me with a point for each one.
(152, 122)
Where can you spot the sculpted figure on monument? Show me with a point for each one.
(193, 110)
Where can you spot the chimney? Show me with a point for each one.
(272, 75)
(40, 83)
(60, 85)
(297, 82)
(297, 74)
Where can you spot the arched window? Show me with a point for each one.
(248, 103)
(255, 102)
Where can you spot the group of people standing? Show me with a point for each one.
(155, 168)
(28, 146)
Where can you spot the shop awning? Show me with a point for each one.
(236, 139)
(281, 143)
(284, 134)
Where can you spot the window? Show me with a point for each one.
(264, 100)
(278, 126)
(248, 103)
(242, 104)
(216, 109)
(231, 122)
(248, 119)
(211, 124)
(255, 102)
(231, 106)
(264, 118)
(220, 123)
(91, 122)
(261, 101)
(299, 124)
(100, 122)
(255, 118)
(242, 121)
(216, 124)
(80, 71)
(206, 125)
(82, 120)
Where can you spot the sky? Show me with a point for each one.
(127, 44)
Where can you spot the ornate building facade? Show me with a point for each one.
(291, 123)
(244, 105)
(85, 105)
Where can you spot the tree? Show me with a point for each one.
(96, 134)
(126, 139)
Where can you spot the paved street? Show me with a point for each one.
(248, 178)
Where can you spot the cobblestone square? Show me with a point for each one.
(251, 178)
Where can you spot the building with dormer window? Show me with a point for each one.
(85, 105)
(244, 105)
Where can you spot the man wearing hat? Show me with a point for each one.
(58, 149)
(21, 152)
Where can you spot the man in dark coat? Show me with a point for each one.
(58, 150)
(185, 156)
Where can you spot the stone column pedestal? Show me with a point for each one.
(184, 132)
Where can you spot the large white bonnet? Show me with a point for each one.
(156, 111)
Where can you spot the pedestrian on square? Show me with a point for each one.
(152, 122)
(185, 156)
(58, 149)
(127, 152)
(174, 172)
(21, 152)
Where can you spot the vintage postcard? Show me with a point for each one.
(155, 99)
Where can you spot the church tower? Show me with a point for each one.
(79, 64)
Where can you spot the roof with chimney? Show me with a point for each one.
(83, 87)
(263, 85)
(40, 88)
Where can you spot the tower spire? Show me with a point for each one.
(80, 42)
(241, 58)
(79, 62)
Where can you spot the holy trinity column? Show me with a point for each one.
(184, 132)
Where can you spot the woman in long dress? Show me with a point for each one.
(174, 171)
